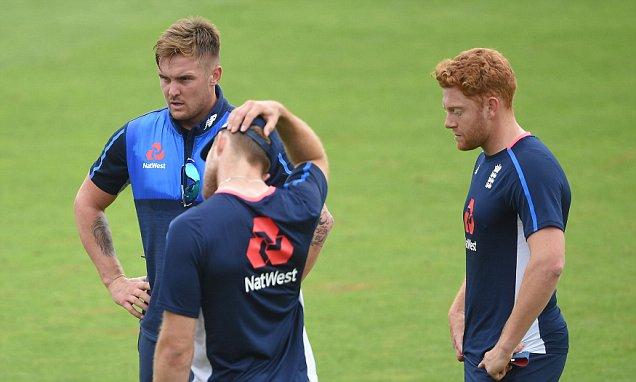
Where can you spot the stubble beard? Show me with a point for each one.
(189, 114)
(478, 136)
(183, 116)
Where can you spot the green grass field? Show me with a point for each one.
(358, 71)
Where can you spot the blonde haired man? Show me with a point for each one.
(158, 155)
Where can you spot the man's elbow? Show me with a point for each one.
(176, 358)
(555, 267)
(558, 268)
(174, 355)
(77, 203)
(82, 203)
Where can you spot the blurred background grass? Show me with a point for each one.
(71, 72)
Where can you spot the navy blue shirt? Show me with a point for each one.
(240, 261)
(513, 194)
(148, 153)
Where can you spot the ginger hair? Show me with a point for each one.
(478, 72)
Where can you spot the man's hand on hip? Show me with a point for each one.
(131, 293)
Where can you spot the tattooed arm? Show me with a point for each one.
(320, 235)
(96, 237)
(102, 236)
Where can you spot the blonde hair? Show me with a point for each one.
(193, 37)
(248, 149)
(478, 72)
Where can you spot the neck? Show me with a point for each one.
(242, 177)
(503, 133)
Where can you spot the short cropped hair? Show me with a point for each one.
(250, 150)
(193, 37)
(478, 72)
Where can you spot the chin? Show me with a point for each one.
(462, 147)
(466, 146)
(179, 115)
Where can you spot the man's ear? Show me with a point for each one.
(220, 142)
(492, 106)
(215, 77)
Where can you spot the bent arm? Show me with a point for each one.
(94, 231)
(175, 348)
(303, 145)
(547, 259)
(325, 223)
(301, 142)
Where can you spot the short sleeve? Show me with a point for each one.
(309, 185)
(180, 286)
(541, 196)
(110, 170)
(280, 168)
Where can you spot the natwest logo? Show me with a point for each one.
(268, 244)
(155, 152)
(153, 155)
(469, 220)
(270, 279)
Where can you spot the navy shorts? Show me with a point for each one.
(542, 367)
(146, 348)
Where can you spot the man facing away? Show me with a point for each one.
(514, 220)
(158, 155)
(245, 273)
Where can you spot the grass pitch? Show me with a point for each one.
(72, 72)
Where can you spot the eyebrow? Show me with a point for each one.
(183, 75)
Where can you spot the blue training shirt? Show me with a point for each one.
(513, 194)
(148, 153)
(240, 261)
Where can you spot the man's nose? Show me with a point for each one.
(449, 123)
(173, 90)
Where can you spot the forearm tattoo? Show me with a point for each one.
(322, 230)
(103, 238)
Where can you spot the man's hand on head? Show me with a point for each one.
(242, 117)
(300, 141)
